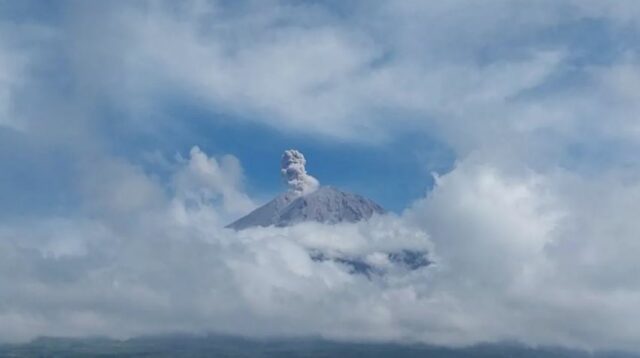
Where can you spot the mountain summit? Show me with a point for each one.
(306, 200)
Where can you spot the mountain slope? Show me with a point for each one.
(325, 205)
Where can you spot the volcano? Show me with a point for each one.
(306, 200)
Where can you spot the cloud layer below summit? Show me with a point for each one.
(512, 260)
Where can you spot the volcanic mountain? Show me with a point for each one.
(306, 200)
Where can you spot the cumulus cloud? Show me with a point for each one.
(175, 264)
(202, 179)
(294, 173)
(511, 260)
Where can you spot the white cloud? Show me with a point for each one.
(172, 267)
(516, 256)
(204, 179)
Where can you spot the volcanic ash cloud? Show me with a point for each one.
(294, 173)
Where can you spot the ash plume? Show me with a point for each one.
(294, 173)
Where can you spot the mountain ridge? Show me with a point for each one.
(326, 205)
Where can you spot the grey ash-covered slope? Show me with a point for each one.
(325, 205)
(307, 201)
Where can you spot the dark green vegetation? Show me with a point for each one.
(224, 346)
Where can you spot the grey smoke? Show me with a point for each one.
(294, 173)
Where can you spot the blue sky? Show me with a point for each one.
(502, 135)
(370, 167)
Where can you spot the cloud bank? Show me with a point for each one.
(532, 235)
(510, 261)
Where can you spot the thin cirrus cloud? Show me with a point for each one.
(531, 234)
